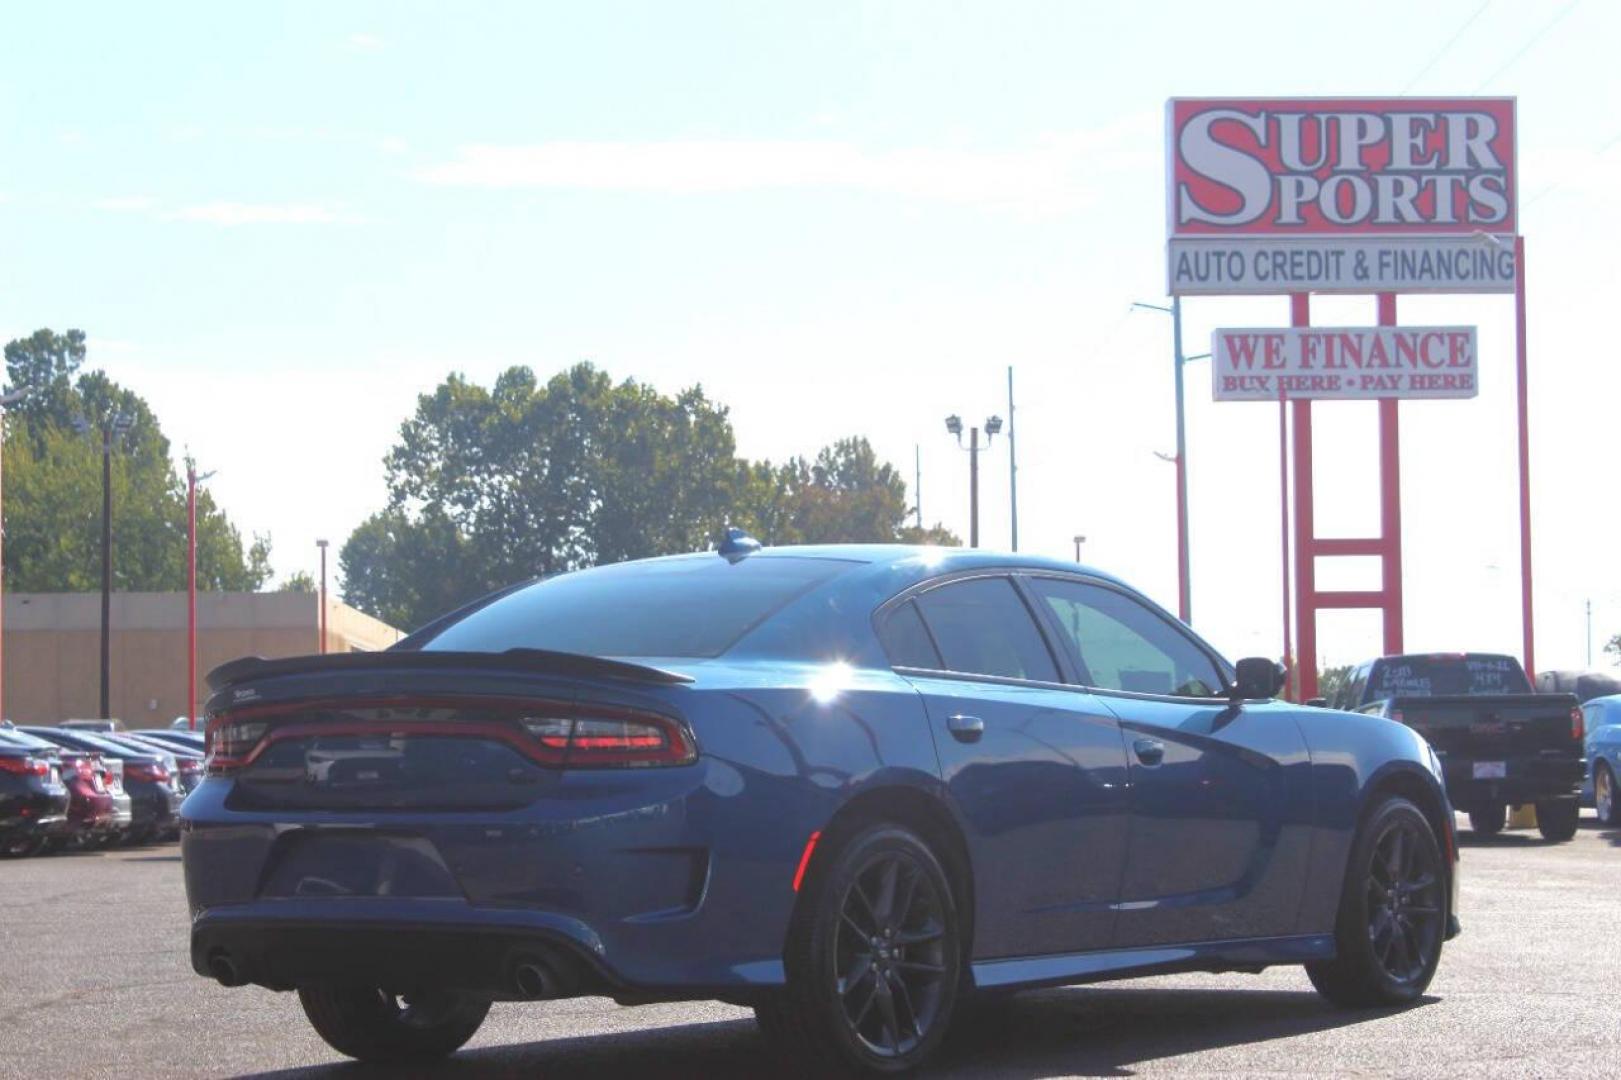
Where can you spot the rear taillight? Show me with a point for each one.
(190, 765)
(563, 736)
(24, 766)
(140, 770)
(1578, 724)
(583, 741)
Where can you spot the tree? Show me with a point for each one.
(53, 486)
(490, 486)
(1332, 680)
(298, 582)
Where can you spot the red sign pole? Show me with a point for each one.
(1525, 459)
(1292, 679)
(191, 596)
(1390, 502)
(1305, 528)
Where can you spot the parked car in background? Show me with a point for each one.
(1500, 742)
(98, 806)
(185, 763)
(843, 785)
(153, 789)
(89, 725)
(187, 740)
(1603, 722)
(33, 799)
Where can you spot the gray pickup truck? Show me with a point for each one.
(1500, 743)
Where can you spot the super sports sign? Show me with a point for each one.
(1341, 195)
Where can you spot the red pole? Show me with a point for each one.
(1390, 502)
(1525, 459)
(191, 596)
(2, 588)
(1283, 487)
(1305, 528)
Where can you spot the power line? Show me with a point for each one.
(1530, 44)
(1451, 41)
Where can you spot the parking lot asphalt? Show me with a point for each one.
(94, 981)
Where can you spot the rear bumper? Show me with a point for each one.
(401, 945)
(34, 813)
(1526, 780)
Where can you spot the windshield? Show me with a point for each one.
(1431, 676)
(691, 607)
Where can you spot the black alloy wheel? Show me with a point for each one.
(874, 959)
(1393, 912)
(890, 950)
(1405, 903)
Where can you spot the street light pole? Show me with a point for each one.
(106, 569)
(993, 424)
(1079, 540)
(192, 480)
(1184, 584)
(973, 487)
(1012, 466)
(12, 399)
(321, 648)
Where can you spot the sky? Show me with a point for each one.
(280, 223)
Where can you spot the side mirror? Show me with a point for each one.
(1257, 677)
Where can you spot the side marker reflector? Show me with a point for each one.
(804, 859)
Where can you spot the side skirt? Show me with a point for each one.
(1249, 954)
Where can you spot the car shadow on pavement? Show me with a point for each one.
(1468, 838)
(1074, 1031)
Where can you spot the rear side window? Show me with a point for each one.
(686, 607)
(983, 628)
(906, 639)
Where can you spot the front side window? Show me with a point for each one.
(1121, 644)
(983, 628)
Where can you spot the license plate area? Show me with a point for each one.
(357, 863)
(1490, 770)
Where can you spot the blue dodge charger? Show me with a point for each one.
(847, 786)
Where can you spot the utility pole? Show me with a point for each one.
(1589, 632)
(1012, 465)
(1184, 587)
(917, 489)
(1079, 540)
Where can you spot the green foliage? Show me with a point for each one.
(489, 486)
(1330, 681)
(53, 487)
(1613, 646)
(299, 582)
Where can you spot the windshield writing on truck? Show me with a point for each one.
(1446, 675)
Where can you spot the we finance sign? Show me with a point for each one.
(1341, 195)
(1345, 362)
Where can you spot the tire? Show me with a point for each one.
(873, 958)
(1557, 819)
(375, 1026)
(1489, 820)
(1604, 795)
(1393, 913)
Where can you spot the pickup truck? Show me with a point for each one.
(1500, 743)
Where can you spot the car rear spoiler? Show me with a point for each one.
(536, 660)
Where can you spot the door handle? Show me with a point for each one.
(1149, 751)
(965, 728)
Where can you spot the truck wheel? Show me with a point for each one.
(1489, 820)
(1557, 819)
(1604, 794)
(373, 1025)
(1393, 913)
(874, 960)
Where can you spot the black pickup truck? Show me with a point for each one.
(1499, 742)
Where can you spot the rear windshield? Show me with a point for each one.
(1433, 676)
(678, 607)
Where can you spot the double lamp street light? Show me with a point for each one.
(993, 425)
